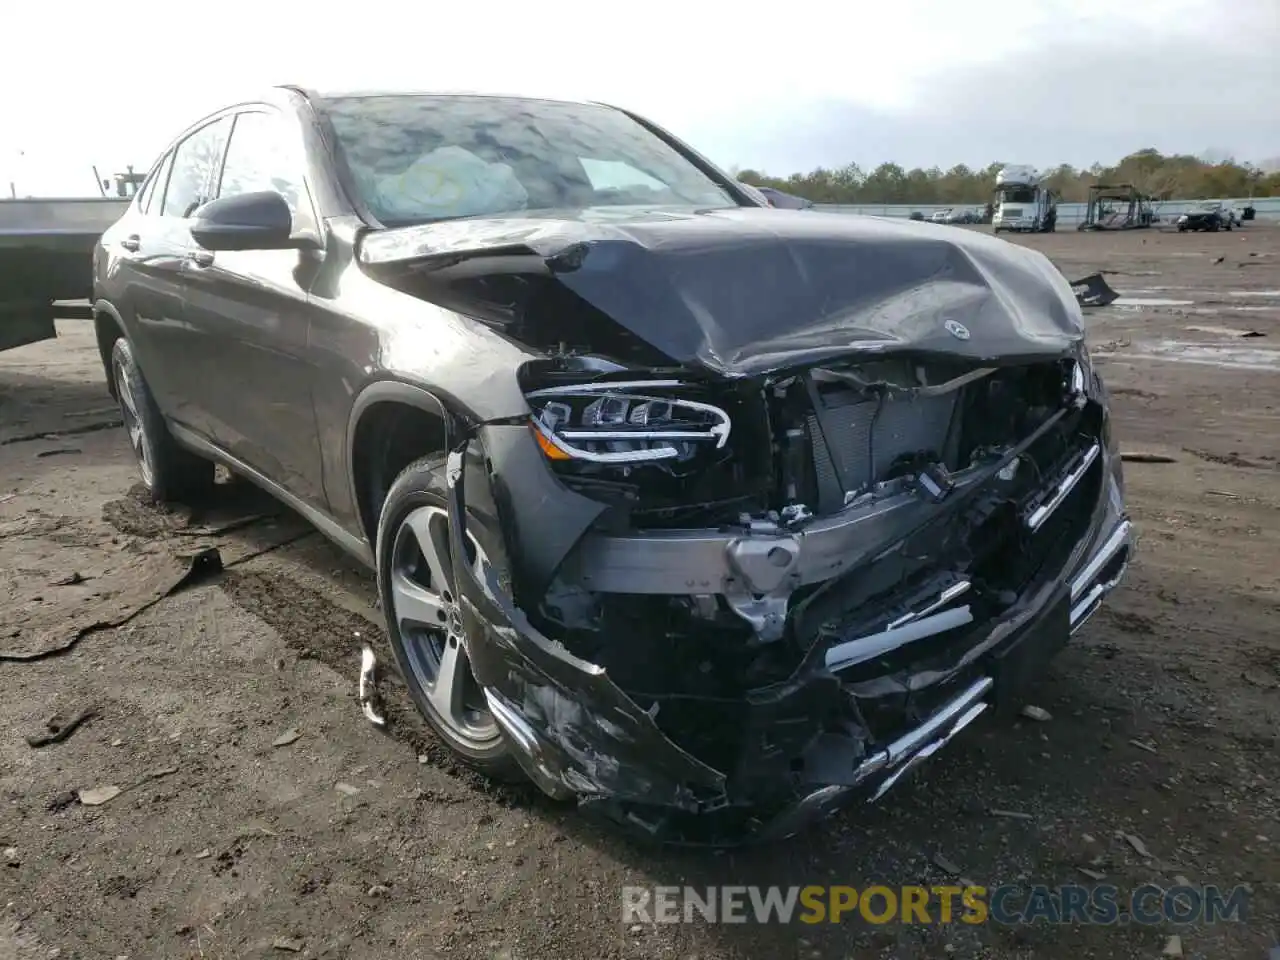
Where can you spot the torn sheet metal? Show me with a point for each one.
(743, 291)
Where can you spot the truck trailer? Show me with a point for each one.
(46, 258)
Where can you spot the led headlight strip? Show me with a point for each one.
(562, 438)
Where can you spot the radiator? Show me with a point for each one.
(860, 455)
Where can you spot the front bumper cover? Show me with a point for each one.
(577, 734)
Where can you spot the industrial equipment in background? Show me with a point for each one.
(1117, 207)
(46, 256)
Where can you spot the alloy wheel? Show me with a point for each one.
(133, 424)
(425, 606)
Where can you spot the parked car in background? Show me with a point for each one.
(666, 508)
(1210, 216)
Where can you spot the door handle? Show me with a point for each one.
(131, 243)
(200, 258)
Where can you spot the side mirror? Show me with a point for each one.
(250, 221)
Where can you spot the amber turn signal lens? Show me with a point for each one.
(549, 449)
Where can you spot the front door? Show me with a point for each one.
(163, 245)
(249, 308)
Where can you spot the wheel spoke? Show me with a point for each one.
(126, 395)
(431, 530)
(446, 692)
(414, 604)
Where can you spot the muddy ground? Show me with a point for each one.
(1160, 760)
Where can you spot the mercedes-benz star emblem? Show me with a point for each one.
(957, 329)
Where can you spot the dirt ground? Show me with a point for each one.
(260, 815)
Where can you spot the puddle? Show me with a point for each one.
(1226, 331)
(1211, 354)
(1135, 302)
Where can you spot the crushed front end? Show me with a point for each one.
(826, 575)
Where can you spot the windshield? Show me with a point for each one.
(421, 158)
(1018, 195)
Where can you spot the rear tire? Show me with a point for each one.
(419, 600)
(169, 472)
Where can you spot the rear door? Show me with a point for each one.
(154, 246)
(249, 311)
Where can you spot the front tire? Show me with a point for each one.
(424, 622)
(169, 472)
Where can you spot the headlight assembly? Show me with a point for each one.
(625, 422)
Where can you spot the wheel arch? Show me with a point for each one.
(392, 423)
(108, 327)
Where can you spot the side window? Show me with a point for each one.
(262, 156)
(157, 182)
(195, 164)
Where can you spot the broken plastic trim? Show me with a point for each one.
(1063, 490)
(370, 701)
(594, 741)
(577, 734)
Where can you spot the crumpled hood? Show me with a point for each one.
(744, 291)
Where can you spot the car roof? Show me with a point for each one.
(314, 94)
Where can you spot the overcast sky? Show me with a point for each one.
(917, 82)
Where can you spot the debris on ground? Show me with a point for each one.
(60, 729)
(287, 944)
(1032, 712)
(1142, 745)
(70, 580)
(97, 796)
(1141, 457)
(370, 700)
(1010, 814)
(58, 451)
(346, 789)
(1095, 875)
(1172, 947)
(1136, 842)
(1094, 291)
(945, 865)
(11, 858)
(286, 738)
(122, 595)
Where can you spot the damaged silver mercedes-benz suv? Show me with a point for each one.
(708, 515)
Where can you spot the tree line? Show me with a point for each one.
(1179, 176)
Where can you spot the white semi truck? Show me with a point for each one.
(1023, 202)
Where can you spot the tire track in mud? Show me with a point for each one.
(316, 628)
(309, 623)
